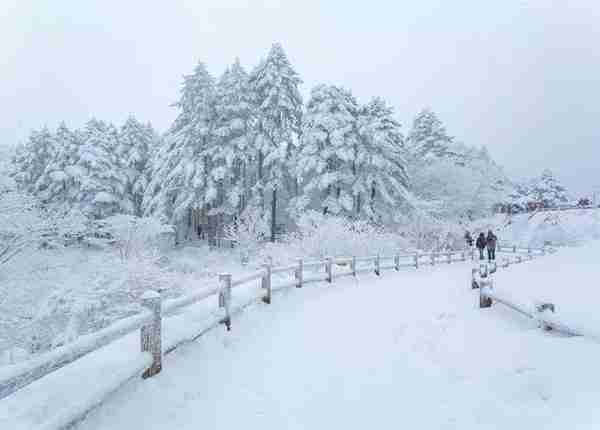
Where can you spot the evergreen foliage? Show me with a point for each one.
(245, 143)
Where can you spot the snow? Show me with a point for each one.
(148, 295)
(54, 400)
(406, 349)
(104, 197)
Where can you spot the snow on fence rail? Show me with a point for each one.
(543, 313)
(150, 321)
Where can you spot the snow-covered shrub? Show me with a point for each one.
(321, 235)
(145, 272)
(138, 241)
(248, 232)
(26, 223)
(134, 236)
(427, 233)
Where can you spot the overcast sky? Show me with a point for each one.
(520, 77)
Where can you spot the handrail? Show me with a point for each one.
(545, 318)
(543, 313)
(248, 278)
(173, 305)
(16, 376)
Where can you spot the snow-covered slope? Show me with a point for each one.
(404, 350)
(567, 227)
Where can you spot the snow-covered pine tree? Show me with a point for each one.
(160, 196)
(135, 143)
(56, 184)
(547, 190)
(232, 151)
(181, 183)
(32, 158)
(518, 196)
(428, 139)
(102, 182)
(380, 184)
(460, 191)
(328, 149)
(274, 84)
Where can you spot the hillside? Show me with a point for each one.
(567, 227)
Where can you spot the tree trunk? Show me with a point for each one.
(273, 214)
(327, 193)
(260, 180)
(244, 189)
(372, 201)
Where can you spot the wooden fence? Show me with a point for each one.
(150, 322)
(544, 313)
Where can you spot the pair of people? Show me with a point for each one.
(488, 242)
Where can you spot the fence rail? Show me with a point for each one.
(543, 313)
(150, 321)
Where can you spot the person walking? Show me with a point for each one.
(491, 245)
(481, 244)
(468, 239)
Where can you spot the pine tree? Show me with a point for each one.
(56, 184)
(428, 139)
(181, 179)
(32, 159)
(135, 142)
(547, 190)
(232, 149)
(279, 114)
(329, 147)
(102, 182)
(381, 182)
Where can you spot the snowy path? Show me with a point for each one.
(407, 350)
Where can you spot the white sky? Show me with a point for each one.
(520, 77)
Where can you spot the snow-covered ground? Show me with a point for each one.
(408, 349)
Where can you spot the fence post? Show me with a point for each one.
(266, 284)
(463, 256)
(449, 257)
(397, 262)
(540, 308)
(225, 298)
(519, 259)
(416, 260)
(377, 265)
(299, 275)
(433, 258)
(474, 283)
(543, 250)
(151, 334)
(514, 249)
(328, 269)
(353, 265)
(484, 300)
(483, 270)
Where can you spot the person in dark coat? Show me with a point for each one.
(468, 239)
(481, 244)
(491, 245)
